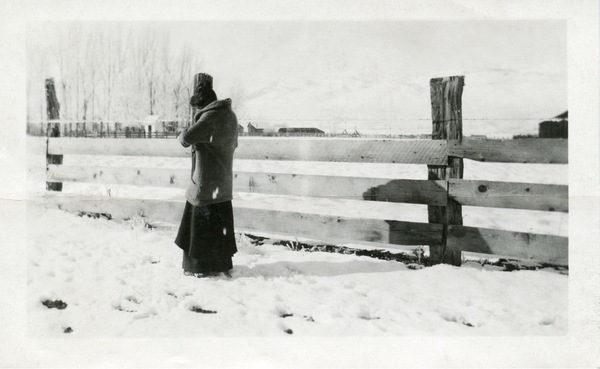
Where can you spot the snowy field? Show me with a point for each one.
(118, 279)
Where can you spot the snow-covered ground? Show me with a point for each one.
(121, 279)
(124, 280)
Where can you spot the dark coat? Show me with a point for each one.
(213, 138)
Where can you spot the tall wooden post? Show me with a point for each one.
(53, 130)
(446, 114)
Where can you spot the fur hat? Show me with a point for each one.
(202, 82)
(203, 91)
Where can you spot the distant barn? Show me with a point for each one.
(301, 130)
(253, 131)
(557, 127)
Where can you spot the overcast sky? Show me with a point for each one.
(376, 74)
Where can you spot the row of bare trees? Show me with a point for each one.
(113, 72)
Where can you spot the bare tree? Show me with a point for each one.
(87, 67)
(181, 78)
(60, 53)
(113, 60)
(194, 66)
(165, 77)
(148, 66)
(115, 72)
(144, 60)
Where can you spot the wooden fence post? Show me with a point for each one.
(446, 114)
(53, 130)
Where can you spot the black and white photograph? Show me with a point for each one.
(359, 185)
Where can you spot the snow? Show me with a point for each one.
(123, 280)
(120, 279)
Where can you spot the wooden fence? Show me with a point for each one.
(444, 192)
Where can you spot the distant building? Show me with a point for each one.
(301, 130)
(240, 129)
(151, 124)
(557, 127)
(253, 131)
(478, 137)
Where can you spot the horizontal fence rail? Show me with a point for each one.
(355, 188)
(355, 151)
(340, 150)
(124, 147)
(507, 243)
(511, 195)
(545, 151)
(431, 152)
(316, 226)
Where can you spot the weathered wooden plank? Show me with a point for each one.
(120, 208)
(338, 229)
(268, 148)
(536, 150)
(315, 226)
(528, 196)
(124, 147)
(553, 249)
(157, 177)
(356, 188)
(344, 150)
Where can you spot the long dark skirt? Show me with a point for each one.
(206, 237)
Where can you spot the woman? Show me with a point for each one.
(206, 232)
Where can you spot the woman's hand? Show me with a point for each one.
(180, 138)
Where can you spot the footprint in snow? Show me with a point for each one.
(368, 317)
(128, 305)
(547, 321)
(456, 319)
(121, 308)
(132, 299)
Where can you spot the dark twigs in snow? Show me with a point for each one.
(94, 215)
(415, 260)
(198, 309)
(56, 304)
(377, 254)
(510, 265)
